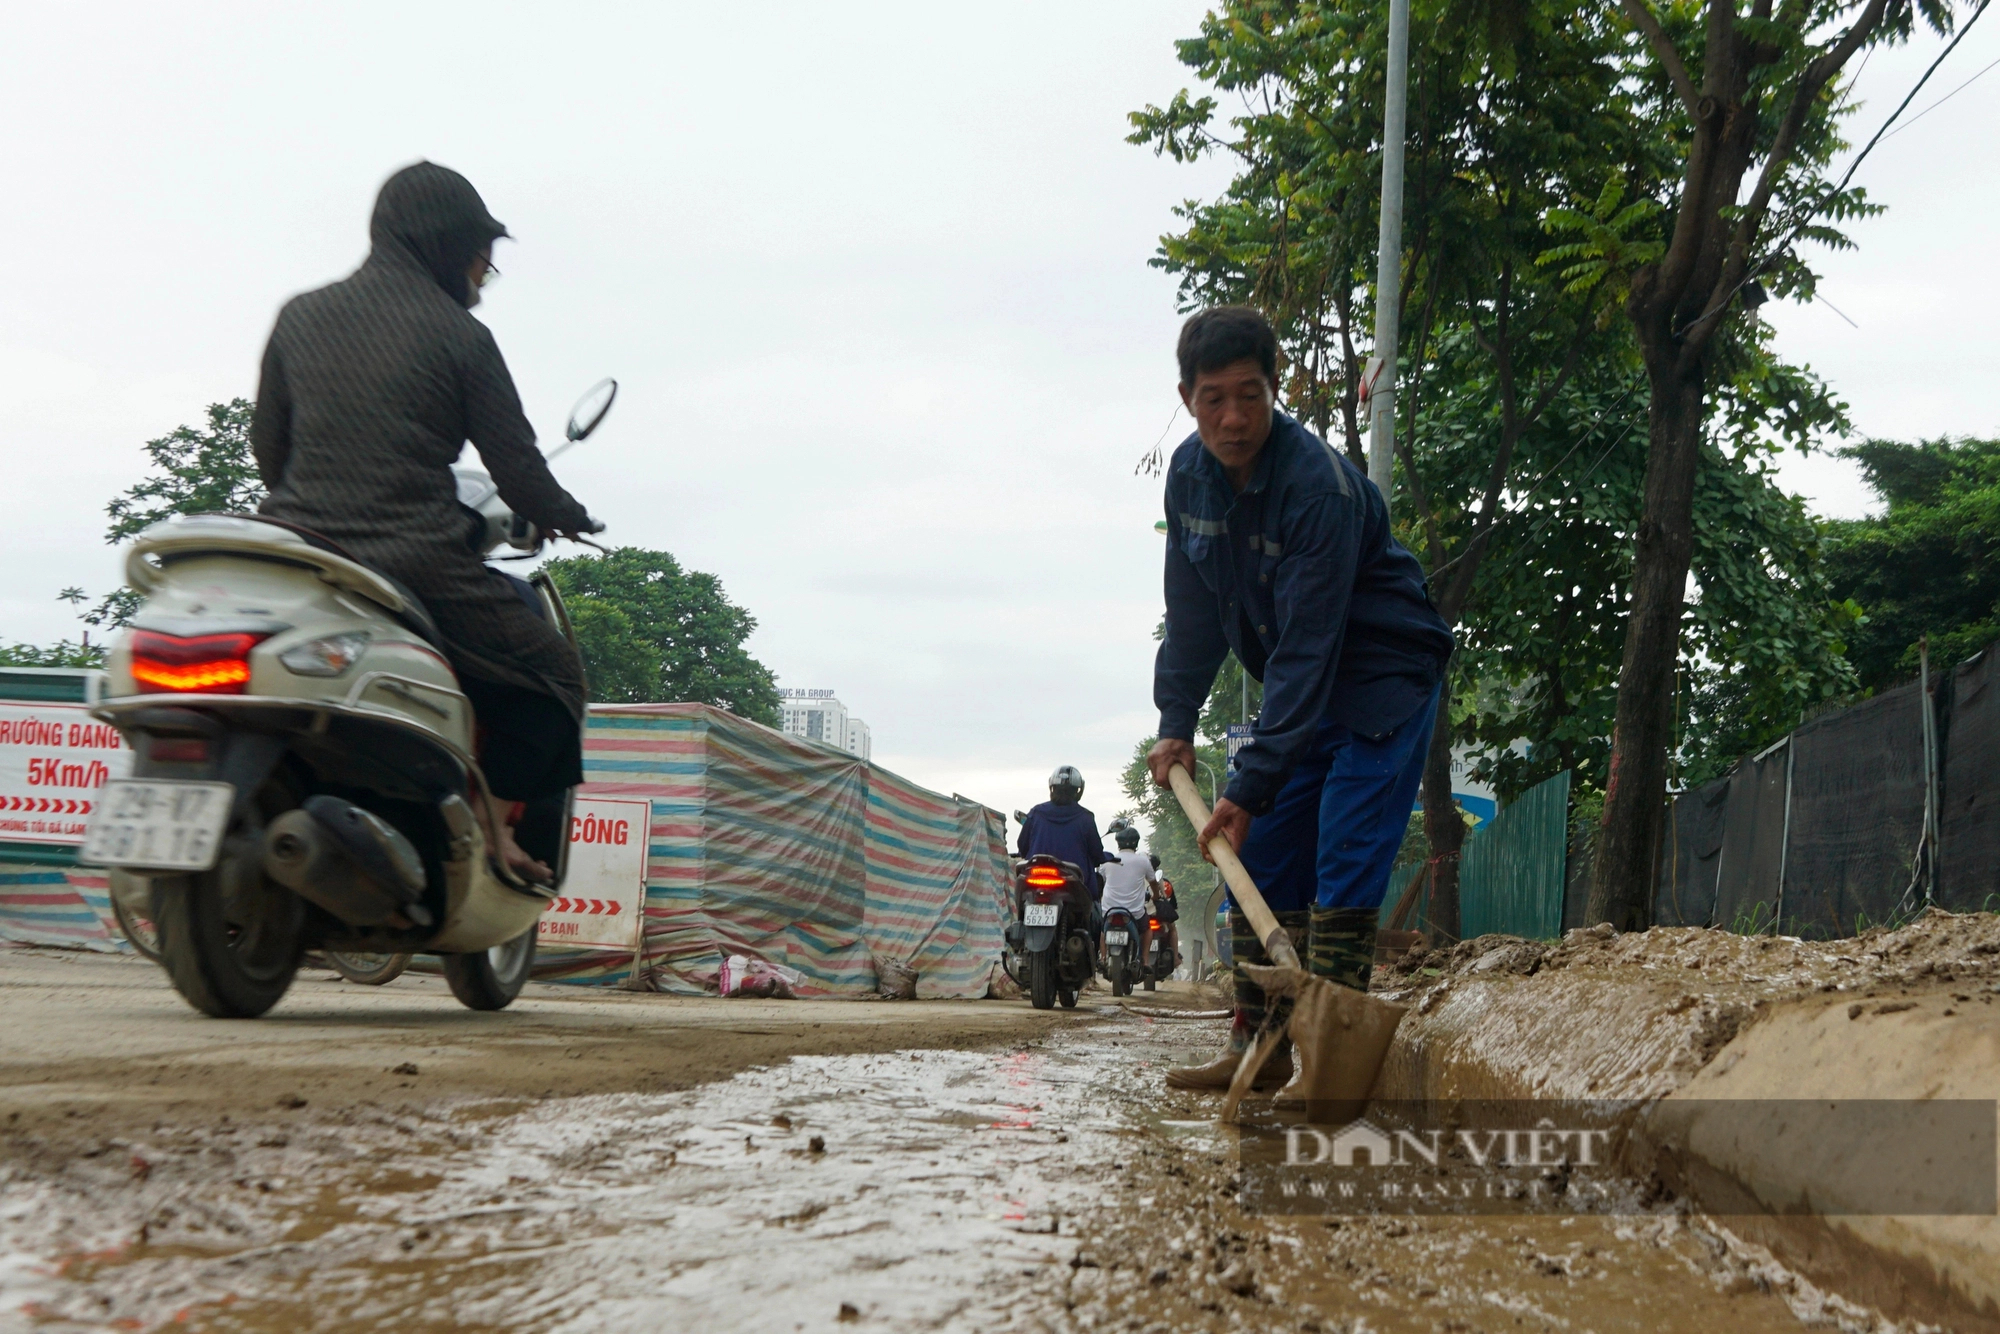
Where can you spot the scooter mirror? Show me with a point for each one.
(590, 409)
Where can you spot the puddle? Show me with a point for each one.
(1052, 1187)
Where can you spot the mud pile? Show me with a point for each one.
(1937, 948)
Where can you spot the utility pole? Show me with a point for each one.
(1381, 373)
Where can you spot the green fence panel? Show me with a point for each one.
(1510, 878)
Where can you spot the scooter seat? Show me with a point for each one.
(414, 617)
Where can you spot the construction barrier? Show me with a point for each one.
(795, 853)
(698, 835)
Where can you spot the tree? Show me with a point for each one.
(195, 471)
(1534, 165)
(1757, 90)
(1929, 565)
(1514, 114)
(652, 631)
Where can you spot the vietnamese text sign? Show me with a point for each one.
(54, 760)
(604, 892)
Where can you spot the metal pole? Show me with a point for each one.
(1389, 258)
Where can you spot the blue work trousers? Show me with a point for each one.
(1332, 837)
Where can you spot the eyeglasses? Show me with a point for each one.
(489, 273)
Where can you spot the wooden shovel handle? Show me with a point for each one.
(1277, 944)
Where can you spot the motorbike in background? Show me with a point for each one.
(304, 768)
(1124, 947)
(1048, 948)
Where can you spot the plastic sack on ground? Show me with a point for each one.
(896, 979)
(741, 975)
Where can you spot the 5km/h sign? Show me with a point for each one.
(54, 761)
(604, 894)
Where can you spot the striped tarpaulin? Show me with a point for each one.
(52, 905)
(936, 890)
(795, 853)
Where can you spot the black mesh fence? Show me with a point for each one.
(1969, 840)
(1750, 863)
(1691, 849)
(1825, 830)
(1857, 816)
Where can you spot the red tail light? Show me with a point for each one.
(1152, 924)
(1045, 877)
(203, 664)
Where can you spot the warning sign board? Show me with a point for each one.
(604, 893)
(54, 759)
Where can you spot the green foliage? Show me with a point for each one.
(194, 471)
(1542, 148)
(652, 631)
(1612, 240)
(62, 653)
(1929, 564)
(208, 471)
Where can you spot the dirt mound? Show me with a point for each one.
(1936, 949)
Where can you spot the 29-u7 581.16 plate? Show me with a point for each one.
(158, 824)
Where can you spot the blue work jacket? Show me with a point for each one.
(1298, 576)
(1068, 832)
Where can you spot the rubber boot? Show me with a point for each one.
(1214, 1076)
(1251, 1013)
(1340, 947)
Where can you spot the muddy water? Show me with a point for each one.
(1052, 1187)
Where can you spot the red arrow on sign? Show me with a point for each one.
(613, 909)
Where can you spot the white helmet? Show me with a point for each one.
(1066, 784)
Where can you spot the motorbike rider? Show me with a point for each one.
(370, 388)
(1127, 877)
(1167, 909)
(1063, 828)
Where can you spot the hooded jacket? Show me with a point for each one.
(370, 389)
(1067, 831)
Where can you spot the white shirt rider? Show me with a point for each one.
(1125, 881)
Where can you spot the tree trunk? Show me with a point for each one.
(1621, 886)
(1444, 828)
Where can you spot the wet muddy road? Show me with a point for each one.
(1041, 1181)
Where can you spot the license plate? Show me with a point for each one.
(1115, 937)
(158, 824)
(1043, 914)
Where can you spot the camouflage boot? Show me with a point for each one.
(1342, 945)
(1251, 1013)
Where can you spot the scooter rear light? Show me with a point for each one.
(199, 664)
(1152, 924)
(1045, 877)
(179, 750)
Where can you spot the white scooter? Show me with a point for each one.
(303, 767)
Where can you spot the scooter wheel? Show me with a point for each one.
(1042, 979)
(1068, 999)
(491, 979)
(370, 970)
(230, 942)
(1149, 984)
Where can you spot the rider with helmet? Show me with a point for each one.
(1128, 876)
(1063, 828)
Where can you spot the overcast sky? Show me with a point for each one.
(873, 278)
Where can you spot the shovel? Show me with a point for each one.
(1339, 1036)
